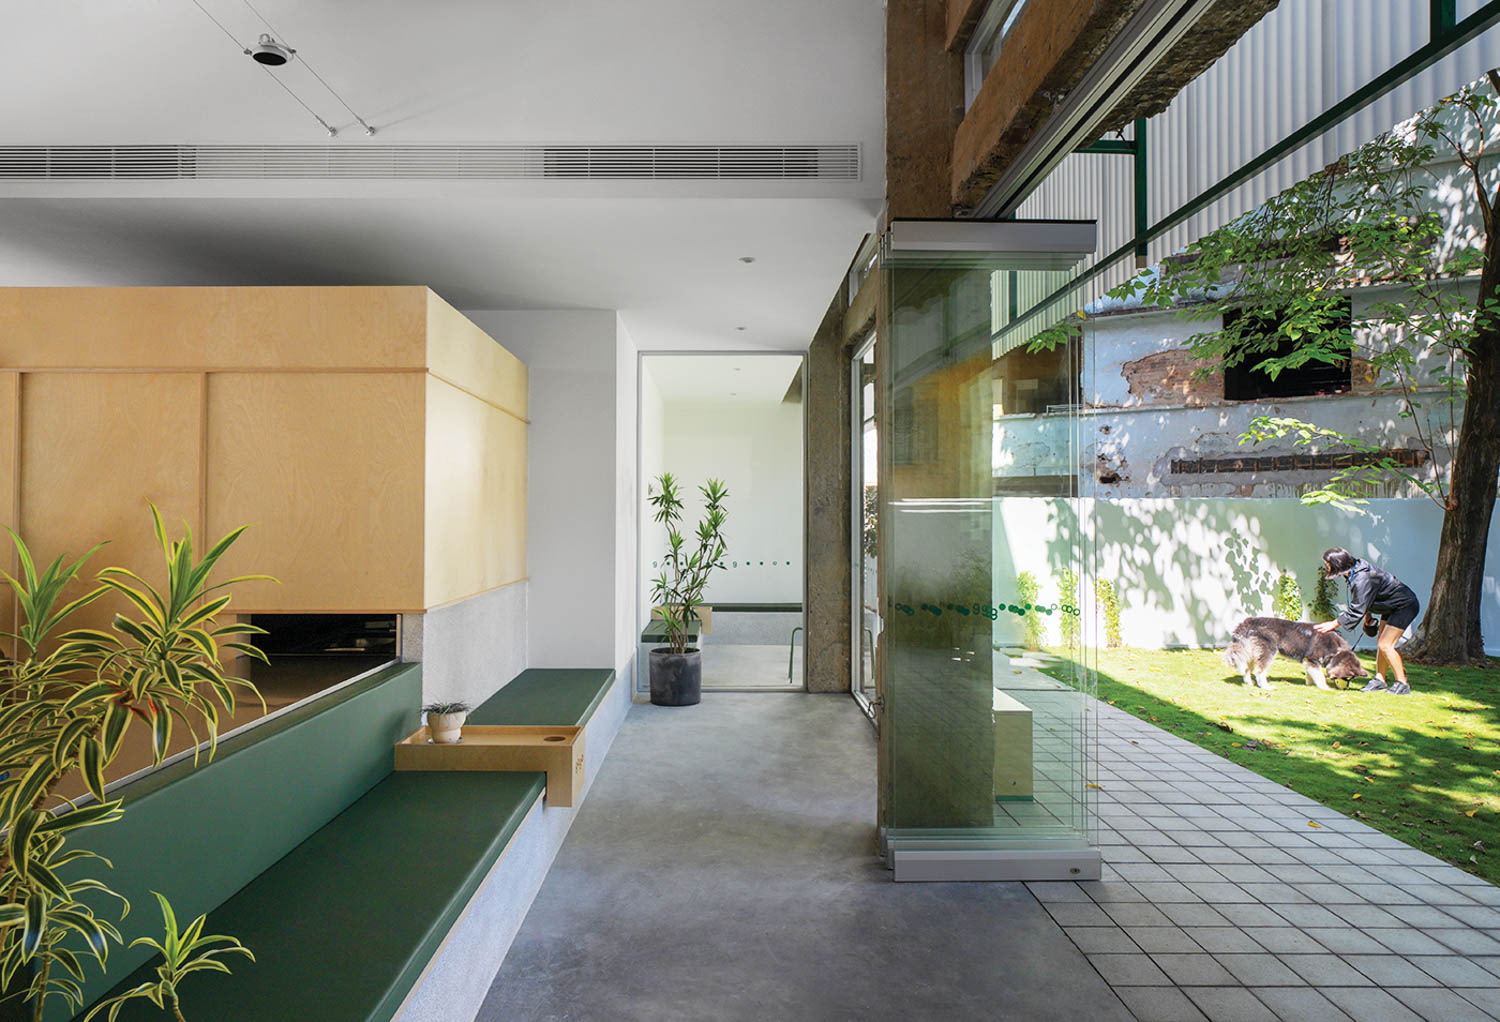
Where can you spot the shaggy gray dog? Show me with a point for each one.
(1257, 640)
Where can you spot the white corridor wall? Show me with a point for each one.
(1188, 570)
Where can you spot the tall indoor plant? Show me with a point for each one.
(66, 704)
(676, 669)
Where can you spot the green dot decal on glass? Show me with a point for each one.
(762, 564)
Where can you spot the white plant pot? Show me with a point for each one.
(446, 728)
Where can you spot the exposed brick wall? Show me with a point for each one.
(1173, 377)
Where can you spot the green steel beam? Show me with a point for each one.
(1117, 146)
(1142, 191)
(1444, 17)
(1420, 60)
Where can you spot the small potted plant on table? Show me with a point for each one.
(445, 722)
(676, 670)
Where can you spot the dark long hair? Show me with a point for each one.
(1338, 560)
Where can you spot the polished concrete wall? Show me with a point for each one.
(469, 650)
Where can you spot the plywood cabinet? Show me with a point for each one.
(372, 438)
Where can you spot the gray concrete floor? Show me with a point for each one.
(723, 868)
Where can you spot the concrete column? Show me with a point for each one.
(829, 523)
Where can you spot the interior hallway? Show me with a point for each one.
(723, 868)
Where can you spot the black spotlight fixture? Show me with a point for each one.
(270, 53)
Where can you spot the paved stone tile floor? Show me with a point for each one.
(1229, 898)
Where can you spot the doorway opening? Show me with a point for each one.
(737, 417)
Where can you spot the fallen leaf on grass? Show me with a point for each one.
(1471, 813)
(1356, 795)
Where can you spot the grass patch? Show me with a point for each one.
(1424, 768)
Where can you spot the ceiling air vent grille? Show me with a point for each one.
(433, 162)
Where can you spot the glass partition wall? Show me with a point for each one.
(986, 667)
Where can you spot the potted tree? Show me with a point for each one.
(676, 669)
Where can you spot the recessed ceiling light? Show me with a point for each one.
(270, 53)
(747, 259)
(739, 328)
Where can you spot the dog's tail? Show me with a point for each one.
(1237, 655)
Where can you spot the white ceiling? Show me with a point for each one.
(455, 71)
(722, 379)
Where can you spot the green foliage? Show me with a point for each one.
(1322, 608)
(1375, 215)
(679, 587)
(1109, 606)
(1286, 598)
(443, 709)
(1067, 593)
(182, 954)
(1028, 595)
(67, 703)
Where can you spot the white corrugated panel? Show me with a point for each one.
(1301, 59)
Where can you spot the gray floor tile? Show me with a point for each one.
(1224, 855)
(1326, 970)
(1283, 939)
(1409, 942)
(1193, 969)
(1246, 873)
(1101, 939)
(1424, 916)
(1159, 1004)
(1454, 971)
(1127, 914)
(1069, 913)
(1300, 1004)
(1230, 1004)
(1111, 891)
(1363, 915)
(1369, 1004)
(1195, 871)
(1221, 894)
(1250, 915)
(1260, 970)
(1440, 1005)
(1223, 939)
(1305, 915)
(1465, 941)
(1055, 892)
(1193, 914)
(1162, 939)
(1345, 940)
(1484, 998)
(1393, 970)
(1159, 893)
(1128, 970)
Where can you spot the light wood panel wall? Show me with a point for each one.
(373, 438)
(96, 449)
(326, 468)
(213, 327)
(476, 495)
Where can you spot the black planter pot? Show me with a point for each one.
(676, 678)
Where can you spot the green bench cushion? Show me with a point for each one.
(343, 926)
(546, 697)
(200, 835)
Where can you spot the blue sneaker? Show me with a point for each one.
(1401, 688)
(1376, 685)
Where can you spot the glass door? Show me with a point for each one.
(866, 580)
(985, 664)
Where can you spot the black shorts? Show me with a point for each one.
(1402, 614)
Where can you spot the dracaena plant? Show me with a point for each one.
(67, 703)
(685, 572)
(182, 954)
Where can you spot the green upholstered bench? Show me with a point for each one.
(343, 926)
(344, 923)
(546, 697)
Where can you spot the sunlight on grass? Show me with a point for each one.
(1424, 768)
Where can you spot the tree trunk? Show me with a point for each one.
(1450, 632)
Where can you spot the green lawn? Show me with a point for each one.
(1424, 768)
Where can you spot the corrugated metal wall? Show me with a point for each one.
(1301, 59)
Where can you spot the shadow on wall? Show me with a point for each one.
(1188, 570)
